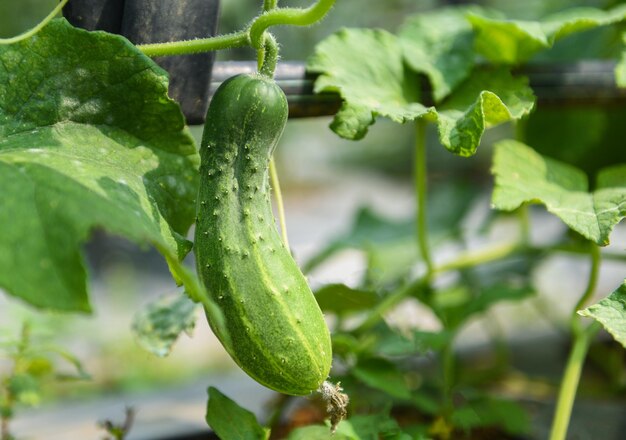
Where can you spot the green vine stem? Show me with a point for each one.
(268, 57)
(228, 41)
(582, 337)
(287, 16)
(37, 28)
(421, 177)
(253, 36)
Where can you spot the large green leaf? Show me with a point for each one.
(88, 139)
(524, 176)
(366, 68)
(515, 41)
(611, 313)
(440, 44)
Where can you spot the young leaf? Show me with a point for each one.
(341, 299)
(365, 67)
(611, 313)
(161, 322)
(516, 41)
(230, 421)
(524, 176)
(382, 375)
(88, 139)
(440, 44)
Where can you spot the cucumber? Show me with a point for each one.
(275, 331)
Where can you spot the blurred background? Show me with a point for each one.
(325, 181)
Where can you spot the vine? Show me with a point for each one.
(29, 33)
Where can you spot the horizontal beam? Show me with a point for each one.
(577, 84)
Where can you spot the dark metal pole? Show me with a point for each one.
(157, 21)
(102, 15)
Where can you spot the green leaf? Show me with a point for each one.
(341, 299)
(382, 375)
(524, 176)
(160, 323)
(487, 98)
(88, 139)
(375, 426)
(516, 41)
(230, 421)
(366, 68)
(465, 306)
(611, 313)
(440, 44)
(25, 388)
(369, 230)
(319, 432)
(394, 343)
(491, 412)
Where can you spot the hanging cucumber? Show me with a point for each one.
(276, 330)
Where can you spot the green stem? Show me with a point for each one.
(37, 28)
(278, 197)
(237, 39)
(591, 284)
(464, 261)
(569, 383)
(287, 16)
(268, 57)
(582, 338)
(471, 259)
(421, 176)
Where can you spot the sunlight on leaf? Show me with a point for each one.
(88, 139)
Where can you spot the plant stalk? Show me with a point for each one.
(29, 33)
(287, 16)
(421, 177)
(582, 338)
(237, 39)
(569, 383)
